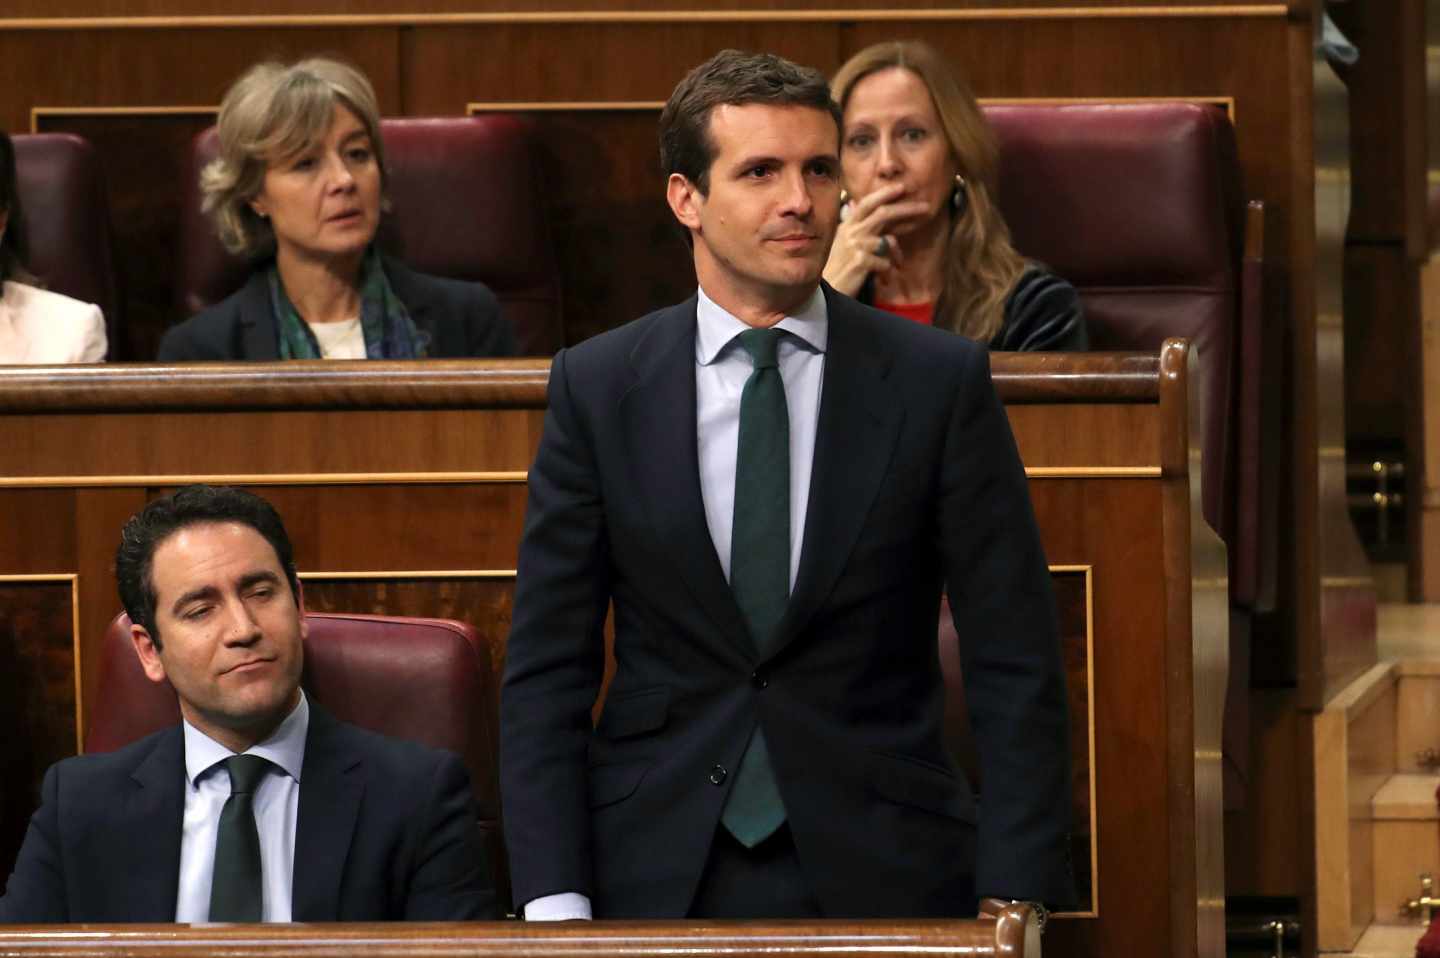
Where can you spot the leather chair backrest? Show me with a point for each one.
(466, 202)
(1139, 206)
(67, 220)
(425, 680)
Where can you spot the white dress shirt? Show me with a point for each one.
(721, 367)
(277, 800)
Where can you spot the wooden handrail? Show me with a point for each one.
(453, 384)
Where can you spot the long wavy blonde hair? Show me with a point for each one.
(981, 266)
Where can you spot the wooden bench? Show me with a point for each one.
(403, 487)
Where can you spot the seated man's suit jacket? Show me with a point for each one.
(916, 482)
(386, 830)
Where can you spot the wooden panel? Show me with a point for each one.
(1403, 852)
(1416, 728)
(619, 248)
(37, 695)
(265, 443)
(1073, 599)
(484, 602)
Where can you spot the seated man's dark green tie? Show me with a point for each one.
(760, 564)
(236, 890)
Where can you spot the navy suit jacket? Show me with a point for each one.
(916, 483)
(462, 319)
(386, 830)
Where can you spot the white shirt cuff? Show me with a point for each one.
(566, 906)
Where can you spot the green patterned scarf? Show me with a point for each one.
(389, 331)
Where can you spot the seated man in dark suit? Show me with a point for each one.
(260, 806)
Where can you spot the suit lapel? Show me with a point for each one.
(331, 787)
(149, 841)
(259, 337)
(854, 441)
(659, 417)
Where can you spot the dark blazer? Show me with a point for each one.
(385, 831)
(916, 483)
(463, 320)
(1043, 313)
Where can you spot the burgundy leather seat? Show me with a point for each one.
(466, 203)
(67, 219)
(1140, 207)
(426, 680)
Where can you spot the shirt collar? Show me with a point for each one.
(285, 747)
(717, 328)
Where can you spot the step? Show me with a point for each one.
(1407, 796)
(1387, 941)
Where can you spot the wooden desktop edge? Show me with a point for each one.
(770, 939)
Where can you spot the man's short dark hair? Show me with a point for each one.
(736, 78)
(185, 507)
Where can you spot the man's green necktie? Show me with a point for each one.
(236, 890)
(760, 564)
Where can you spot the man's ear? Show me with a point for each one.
(685, 199)
(300, 605)
(148, 654)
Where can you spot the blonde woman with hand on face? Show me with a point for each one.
(921, 236)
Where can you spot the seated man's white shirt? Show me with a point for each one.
(277, 801)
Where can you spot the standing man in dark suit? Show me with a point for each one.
(260, 806)
(771, 483)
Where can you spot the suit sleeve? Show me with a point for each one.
(36, 890)
(178, 345)
(1004, 611)
(489, 332)
(554, 659)
(1043, 314)
(450, 879)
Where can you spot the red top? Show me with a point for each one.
(919, 312)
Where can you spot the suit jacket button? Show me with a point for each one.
(759, 680)
(717, 775)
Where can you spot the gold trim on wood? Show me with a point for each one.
(277, 479)
(1089, 572)
(1092, 472)
(1227, 103)
(665, 17)
(556, 106)
(371, 574)
(73, 579)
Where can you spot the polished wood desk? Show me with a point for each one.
(1005, 937)
(403, 487)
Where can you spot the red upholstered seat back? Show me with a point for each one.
(67, 219)
(426, 680)
(1139, 206)
(466, 203)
